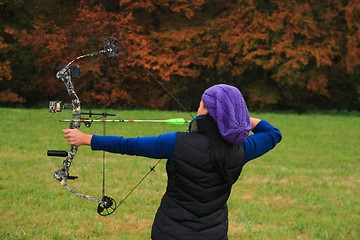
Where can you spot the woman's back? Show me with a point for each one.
(196, 194)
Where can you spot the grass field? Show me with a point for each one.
(307, 188)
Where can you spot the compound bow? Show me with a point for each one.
(106, 205)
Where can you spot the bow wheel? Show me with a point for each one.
(107, 206)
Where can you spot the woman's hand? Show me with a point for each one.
(77, 138)
(254, 122)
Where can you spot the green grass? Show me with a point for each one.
(307, 188)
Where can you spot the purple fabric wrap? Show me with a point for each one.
(227, 107)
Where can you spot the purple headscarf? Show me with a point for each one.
(227, 107)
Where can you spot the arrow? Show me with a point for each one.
(174, 121)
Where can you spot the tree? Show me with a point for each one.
(281, 54)
(7, 94)
(16, 15)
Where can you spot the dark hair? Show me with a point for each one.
(220, 151)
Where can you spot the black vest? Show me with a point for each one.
(194, 204)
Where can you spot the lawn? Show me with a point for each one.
(306, 188)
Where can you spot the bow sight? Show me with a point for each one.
(58, 106)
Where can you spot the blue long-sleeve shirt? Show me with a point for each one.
(265, 138)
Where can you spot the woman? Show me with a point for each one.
(202, 164)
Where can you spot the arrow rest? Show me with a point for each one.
(107, 206)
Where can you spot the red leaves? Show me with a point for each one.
(5, 70)
(9, 96)
(290, 44)
(352, 17)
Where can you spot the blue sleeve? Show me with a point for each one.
(160, 147)
(265, 138)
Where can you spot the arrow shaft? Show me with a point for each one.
(169, 121)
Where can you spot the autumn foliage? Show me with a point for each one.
(281, 54)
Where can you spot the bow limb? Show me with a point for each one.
(106, 205)
(62, 175)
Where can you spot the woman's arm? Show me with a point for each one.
(265, 138)
(161, 146)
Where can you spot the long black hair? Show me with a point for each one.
(220, 149)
